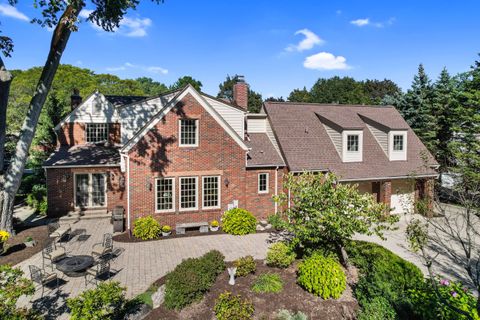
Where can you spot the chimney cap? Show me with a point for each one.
(239, 78)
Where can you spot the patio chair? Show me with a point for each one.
(53, 253)
(39, 276)
(103, 248)
(57, 231)
(98, 270)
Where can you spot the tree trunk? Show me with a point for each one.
(342, 253)
(5, 81)
(14, 172)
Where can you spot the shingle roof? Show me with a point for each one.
(306, 145)
(262, 151)
(83, 155)
(122, 100)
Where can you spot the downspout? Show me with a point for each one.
(276, 189)
(128, 191)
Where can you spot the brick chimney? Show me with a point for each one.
(240, 92)
(75, 98)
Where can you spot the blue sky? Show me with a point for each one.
(278, 45)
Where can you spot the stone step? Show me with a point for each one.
(86, 215)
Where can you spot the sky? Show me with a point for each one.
(277, 45)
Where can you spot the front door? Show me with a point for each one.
(90, 190)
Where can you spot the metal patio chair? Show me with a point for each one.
(40, 277)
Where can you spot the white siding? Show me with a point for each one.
(233, 116)
(84, 113)
(256, 125)
(336, 138)
(380, 136)
(271, 136)
(397, 155)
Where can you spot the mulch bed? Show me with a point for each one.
(17, 251)
(292, 297)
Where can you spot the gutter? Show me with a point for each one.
(82, 166)
(127, 185)
(436, 175)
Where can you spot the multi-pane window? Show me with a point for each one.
(165, 193)
(188, 193)
(352, 142)
(188, 132)
(263, 183)
(97, 132)
(211, 192)
(398, 142)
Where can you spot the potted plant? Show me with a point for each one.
(214, 225)
(4, 235)
(29, 242)
(166, 230)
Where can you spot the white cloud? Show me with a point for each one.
(12, 12)
(361, 22)
(367, 22)
(128, 65)
(311, 40)
(158, 70)
(326, 61)
(129, 27)
(85, 13)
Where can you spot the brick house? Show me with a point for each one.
(185, 156)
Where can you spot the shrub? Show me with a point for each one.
(276, 221)
(214, 223)
(106, 301)
(322, 276)
(377, 309)
(231, 307)
(427, 305)
(280, 255)
(166, 228)
(192, 278)
(13, 285)
(146, 228)
(268, 282)
(37, 198)
(239, 222)
(289, 315)
(245, 266)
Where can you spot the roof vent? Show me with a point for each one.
(306, 129)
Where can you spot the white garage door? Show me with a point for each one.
(403, 196)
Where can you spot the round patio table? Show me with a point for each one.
(75, 266)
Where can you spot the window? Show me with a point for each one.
(188, 193)
(189, 132)
(352, 143)
(263, 183)
(165, 189)
(96, 132)
(211, 192)
(398, 142)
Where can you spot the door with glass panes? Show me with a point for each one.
(90, 190)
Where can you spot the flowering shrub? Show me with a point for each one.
(166, 229)
(427, 304)
(4, 236)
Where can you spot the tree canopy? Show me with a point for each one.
(255, 100)
(184, 81)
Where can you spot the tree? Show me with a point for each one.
(377, 90)
(255, 101)
(62, 17)
(226, 92)
(151, 87)
(184, 81)
(338, 90)
(300, 95)
(12, 286)
(275, 99)
(324, 212)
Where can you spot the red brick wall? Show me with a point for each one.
(158, 154)
(73, 133)
(262, 203)
(60, 194)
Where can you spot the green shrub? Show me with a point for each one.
(239, 222)
(377, 309)
(322, 276)
(245, 266)
(146, 228)
(268, 282)
(276, 221)
(231, 307)
(37, 198)
(13, 285)
(427, 305)
(189, 281)
(106, 301)
(280, 255)
(289, 315)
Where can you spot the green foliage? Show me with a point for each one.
(184, 81)
(189, 281)
(284, 314)
(276, 221)
(166, 229)
(324, 211)
(12, 286)
(322, 276)
(146, 228)
(245, 266)
(106, 301)
(226, 92)
(300, 95)
(377, 309)
(430, 306)
(37, 199)
(239, 222)
(280, 255)
(231, 307)
(417, 235)
(383, 274)
(268, 283)
(146, 297)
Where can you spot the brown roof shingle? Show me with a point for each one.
(262, 152)
(84, 155)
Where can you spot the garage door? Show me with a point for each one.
(403, 196)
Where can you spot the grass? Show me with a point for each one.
(146, 297)
(268, 283)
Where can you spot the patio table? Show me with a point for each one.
(75, 266)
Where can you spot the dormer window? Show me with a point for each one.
(96, 132)
(188, 132)
(397, 145)
(397, 142)
(352, 145)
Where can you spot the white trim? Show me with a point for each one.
(352, 156)
(90, 189)
(82, 166)
(219, 192)
(276, 189)
(391, 178)
(173, 194)
(394, 155)
(197, 134)
(180, 194)
(189, 89)
(128, 191)
(267, 182)
(67, 117)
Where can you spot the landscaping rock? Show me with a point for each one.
(158, 297)
(260, 228)
(139, 313)
(263, 222)
(268, 226)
